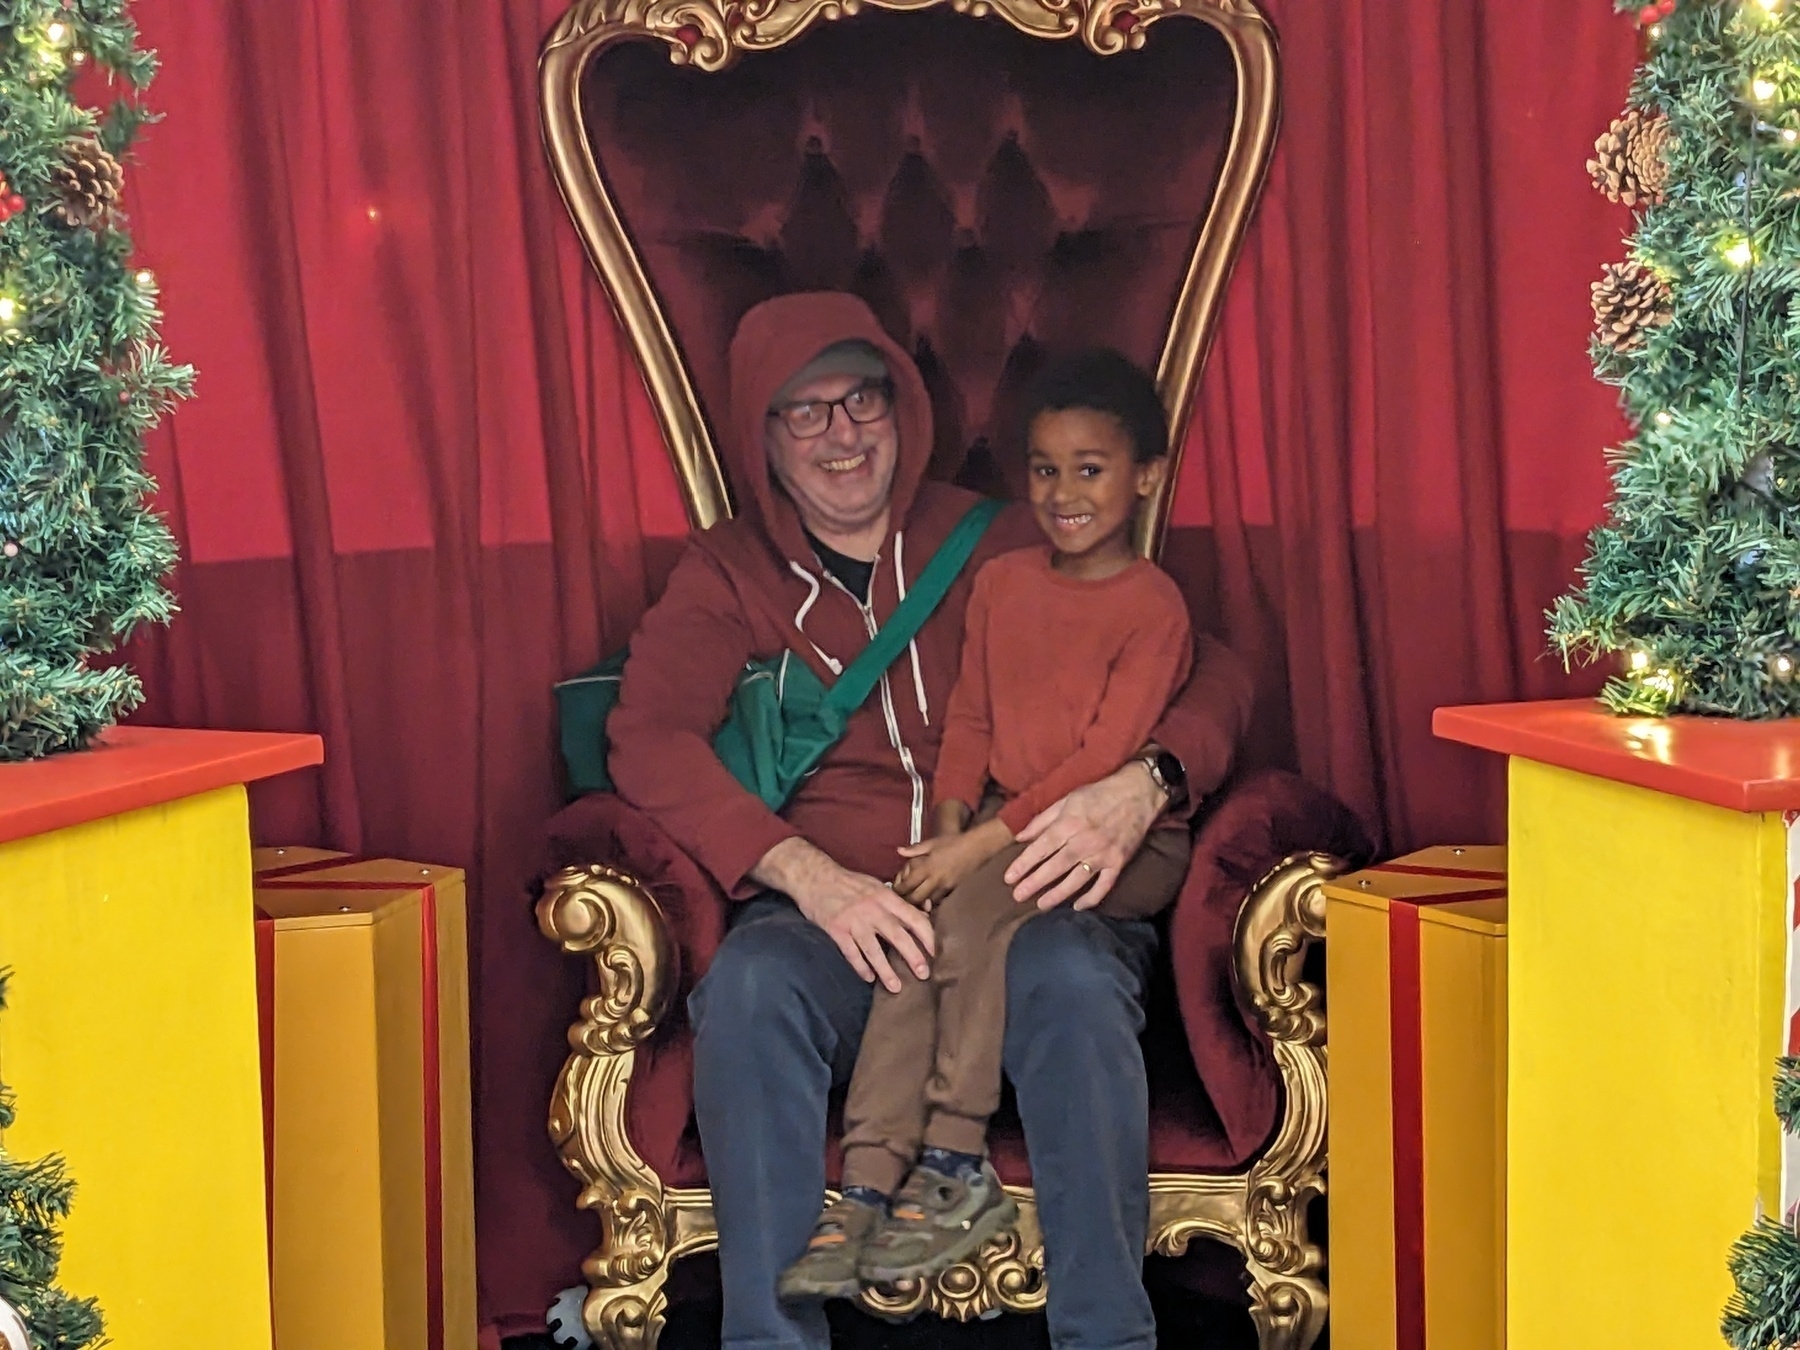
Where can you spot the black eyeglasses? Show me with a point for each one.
(865, 404)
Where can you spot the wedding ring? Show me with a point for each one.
(1086, 867)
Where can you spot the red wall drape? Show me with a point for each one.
(421, 480)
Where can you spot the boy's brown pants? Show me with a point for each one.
(928, 1074)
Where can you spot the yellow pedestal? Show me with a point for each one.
(130, 1033)
(1647, 996)
(1416, 969)
(374, 1171)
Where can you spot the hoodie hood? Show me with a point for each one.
(773, 341)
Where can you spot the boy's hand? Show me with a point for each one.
(937, 866)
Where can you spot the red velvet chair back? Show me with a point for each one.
(995, 197)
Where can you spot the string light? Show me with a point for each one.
(56, 32)
(1763, 89)
(1661, 682)
(144, 277)
(1639, 661)
(1781, 665)
(1736, 251)
(1663, 419)
(1769, 6)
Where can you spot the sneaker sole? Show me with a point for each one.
(804, 1290)
(988, 1224)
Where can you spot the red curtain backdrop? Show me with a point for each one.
(421, 480)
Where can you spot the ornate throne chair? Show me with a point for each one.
(999, 179)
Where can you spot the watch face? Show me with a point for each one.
(1170, 768)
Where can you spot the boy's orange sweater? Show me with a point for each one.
(1061, 682)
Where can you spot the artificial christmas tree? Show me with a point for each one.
(82, 378)
(34, 1198)
(1694, 579)
(1765, 1311)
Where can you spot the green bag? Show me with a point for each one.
(781, 718)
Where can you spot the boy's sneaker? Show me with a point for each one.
(827, 1269)
(934, 1222)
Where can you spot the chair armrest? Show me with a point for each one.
(1238, 938)
(607, 913)
(634, 920)
(604, 836)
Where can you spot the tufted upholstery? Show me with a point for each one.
(993, 196)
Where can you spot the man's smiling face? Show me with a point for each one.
(842, 477)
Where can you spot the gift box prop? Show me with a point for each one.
(1651, 922)
(124, 891)
(1416, 965)
(366, 1016)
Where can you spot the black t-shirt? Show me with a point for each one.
(852, 573)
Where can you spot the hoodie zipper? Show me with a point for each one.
(867, 610)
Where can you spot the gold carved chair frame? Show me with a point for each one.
(607, 915)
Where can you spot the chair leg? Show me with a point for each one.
(628, 1316)
(1289, 1310)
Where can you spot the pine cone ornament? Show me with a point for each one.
(1629, 300)
(88, 182)
(1628, 162)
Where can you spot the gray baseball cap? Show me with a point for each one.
(851, 357)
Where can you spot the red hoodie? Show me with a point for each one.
(751, 588)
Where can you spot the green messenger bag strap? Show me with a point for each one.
(860, 677)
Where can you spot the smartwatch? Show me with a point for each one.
(1166, 772)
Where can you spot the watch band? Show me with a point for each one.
(1163, 785)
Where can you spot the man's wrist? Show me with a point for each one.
(1166, 774)
(788, 866)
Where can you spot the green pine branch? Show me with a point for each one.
(83, 377)
(1764, 1312)
(35, 1198)
(1787, 1093)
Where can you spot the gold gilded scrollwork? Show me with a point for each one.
(605, 913)
(710, 35)
(1283, 917)
(1006, 1275)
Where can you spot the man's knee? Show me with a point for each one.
(1069, 969)
(757, 978)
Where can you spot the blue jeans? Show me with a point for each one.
(777, 1021)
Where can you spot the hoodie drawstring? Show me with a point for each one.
(812, 596)
(912, 647)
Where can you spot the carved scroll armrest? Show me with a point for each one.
(608, 914)
(1282, 917)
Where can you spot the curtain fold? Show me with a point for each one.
(422, 480)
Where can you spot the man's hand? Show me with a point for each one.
(1085, 840)
(937, 866)
(859, 912)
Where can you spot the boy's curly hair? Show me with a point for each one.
(1105, 381)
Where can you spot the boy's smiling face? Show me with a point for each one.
(1085, 483)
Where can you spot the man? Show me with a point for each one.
(827, 443)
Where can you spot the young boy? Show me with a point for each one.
(1071, 652)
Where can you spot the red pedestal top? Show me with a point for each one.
(1742, 766)
(134, 767)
